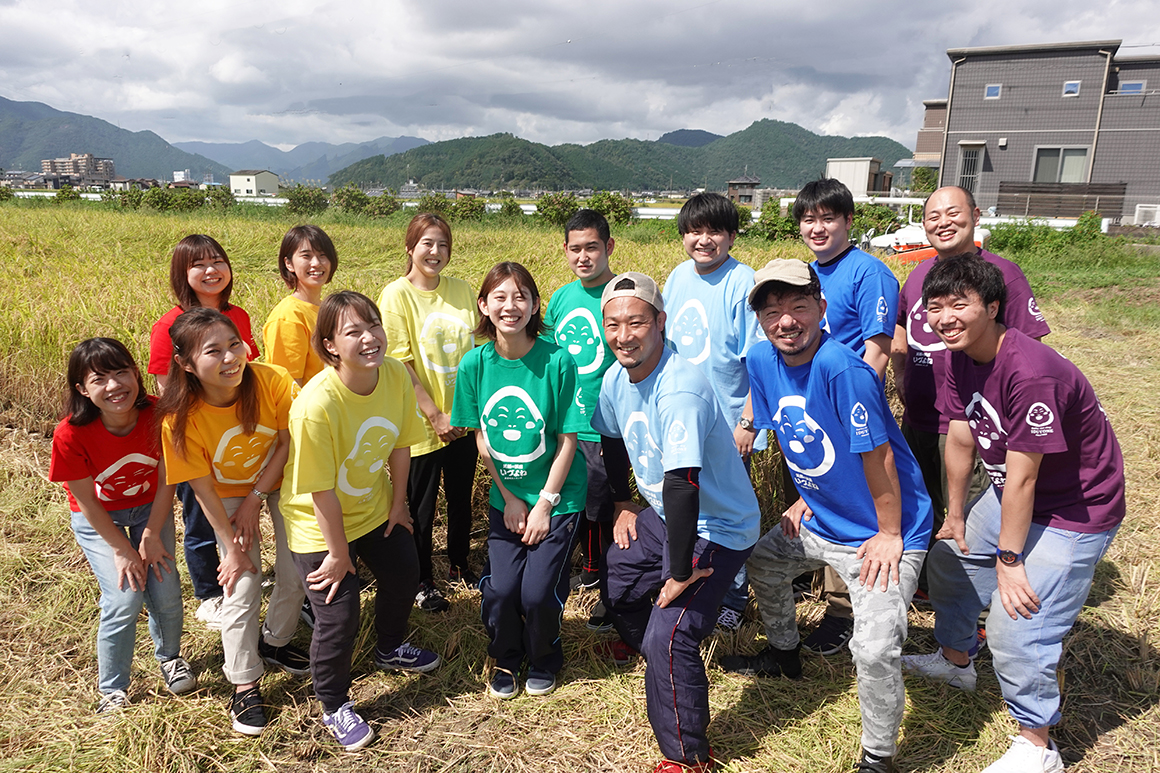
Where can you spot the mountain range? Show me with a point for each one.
(782, 155)
(313, 161)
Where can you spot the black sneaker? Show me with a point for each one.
(601, 619)
(585, 580)
(307, 614)
(464, 575)
(430, 599)
(247, 712)
(288, 658)
(872, 764)
(831, 635)
(768, 662)
(803, 585)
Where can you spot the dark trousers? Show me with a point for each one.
(676, 687)
(524, 589)
(455, 463)
(200, 543)
(393, 562)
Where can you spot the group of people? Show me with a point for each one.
(359, 412)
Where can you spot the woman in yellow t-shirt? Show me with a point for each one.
(307, 260)
(429, 319)
(349, 423)
(225, 433)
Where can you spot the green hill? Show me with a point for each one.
(783, 155)
(31, 131)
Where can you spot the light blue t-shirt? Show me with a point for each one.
(861, 295)
(826, 413)
(670, 421)
(711, 326)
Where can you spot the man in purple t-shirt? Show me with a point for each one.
(950, 216)
(1034, 537)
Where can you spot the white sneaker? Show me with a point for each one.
(729, 619)
(210, 613)
(179, 677)
(112, 702)
(1026, 757)
(935, 666)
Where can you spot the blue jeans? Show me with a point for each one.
(201, 550)
(1025, 653)
(117, 632)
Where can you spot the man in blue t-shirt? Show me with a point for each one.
(863, 510)
(673, 560)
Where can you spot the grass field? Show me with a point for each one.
(75, 272)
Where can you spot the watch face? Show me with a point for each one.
(1008, 557)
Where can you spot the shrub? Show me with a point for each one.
(382, 205)
(881, 218)
(306, 201)
(66, 193)
(434, 202)
(510, 208)
(220, 197)
(469, 208)
(557, 208)
(614, 206)
(350, 199)
(6, 194)
(774, 226)
(187, 199)
(158, 199)
(1035, 236)
(923, 180)
(744, 217)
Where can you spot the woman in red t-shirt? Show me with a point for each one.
(107, 453)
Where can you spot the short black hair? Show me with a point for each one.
(825, 195)
(585, 219)
(781, 289)
(708, 210)
(964, 274)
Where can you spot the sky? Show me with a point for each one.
(546, 70)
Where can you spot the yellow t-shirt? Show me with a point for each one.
(341, 440)
(286, 335)
(215, 443)
(431, 329)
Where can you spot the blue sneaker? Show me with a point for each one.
(503, 685)
(540, 682)
(406, 657)
(349, 729)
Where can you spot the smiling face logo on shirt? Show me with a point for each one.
(645, 455)
(808, 449)
(916, 324)
(240, 458)
(363, 466)
(443, 341)
(126, 478)
(882, 311)
(579, 335)
(984, 421)
(690, 332)
(513, 426)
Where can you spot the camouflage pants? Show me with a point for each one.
(879, 620)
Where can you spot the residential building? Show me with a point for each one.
(863, 176)
(254, 182)
(80, 170)
(741, 190)
(1052, 130)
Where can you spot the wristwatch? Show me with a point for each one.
(262, 495)
(745, 423)
(1008, 557)
(552, 499)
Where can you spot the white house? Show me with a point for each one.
(254, 182)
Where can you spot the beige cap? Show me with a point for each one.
(785, 270)
(642, 287)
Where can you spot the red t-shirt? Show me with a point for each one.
(161, 345)
(123, 469)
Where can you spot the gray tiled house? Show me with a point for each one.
(1054, 129)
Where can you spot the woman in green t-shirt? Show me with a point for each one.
(519, 391)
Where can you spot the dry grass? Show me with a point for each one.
(57, 291)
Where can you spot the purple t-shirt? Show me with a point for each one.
(926, 353)
(1031, 398)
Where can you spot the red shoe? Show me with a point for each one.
(617, 651)
(672, 766)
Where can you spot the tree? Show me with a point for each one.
(923, 179)
(557, 208)
(434, 202)
(469, 208)
(509, 207)
(187, 199)
(220, 197)
(6, 194)
(350, 198)
(744, 217)
(304, 201)
(775, 226)
(66, 193)
(158, 199)
(382, 205)
(614, 206)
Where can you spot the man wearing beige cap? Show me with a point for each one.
(863, 509)
(674, 559)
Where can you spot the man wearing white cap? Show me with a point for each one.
(863, 510)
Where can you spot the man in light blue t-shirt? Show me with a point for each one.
(863, 511)
(673, 560)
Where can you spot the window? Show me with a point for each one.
(249, 191)
(1132, 87)
(1071, 89)
(992, 90)
(970, 159)
(1060, 165)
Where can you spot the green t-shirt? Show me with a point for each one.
(522, 407)
(574, 321)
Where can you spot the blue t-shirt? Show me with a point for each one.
(711, 326)
(670, 421)
(861, 298)
(826, 413)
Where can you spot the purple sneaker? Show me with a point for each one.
(406, 657)
(349, 729)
